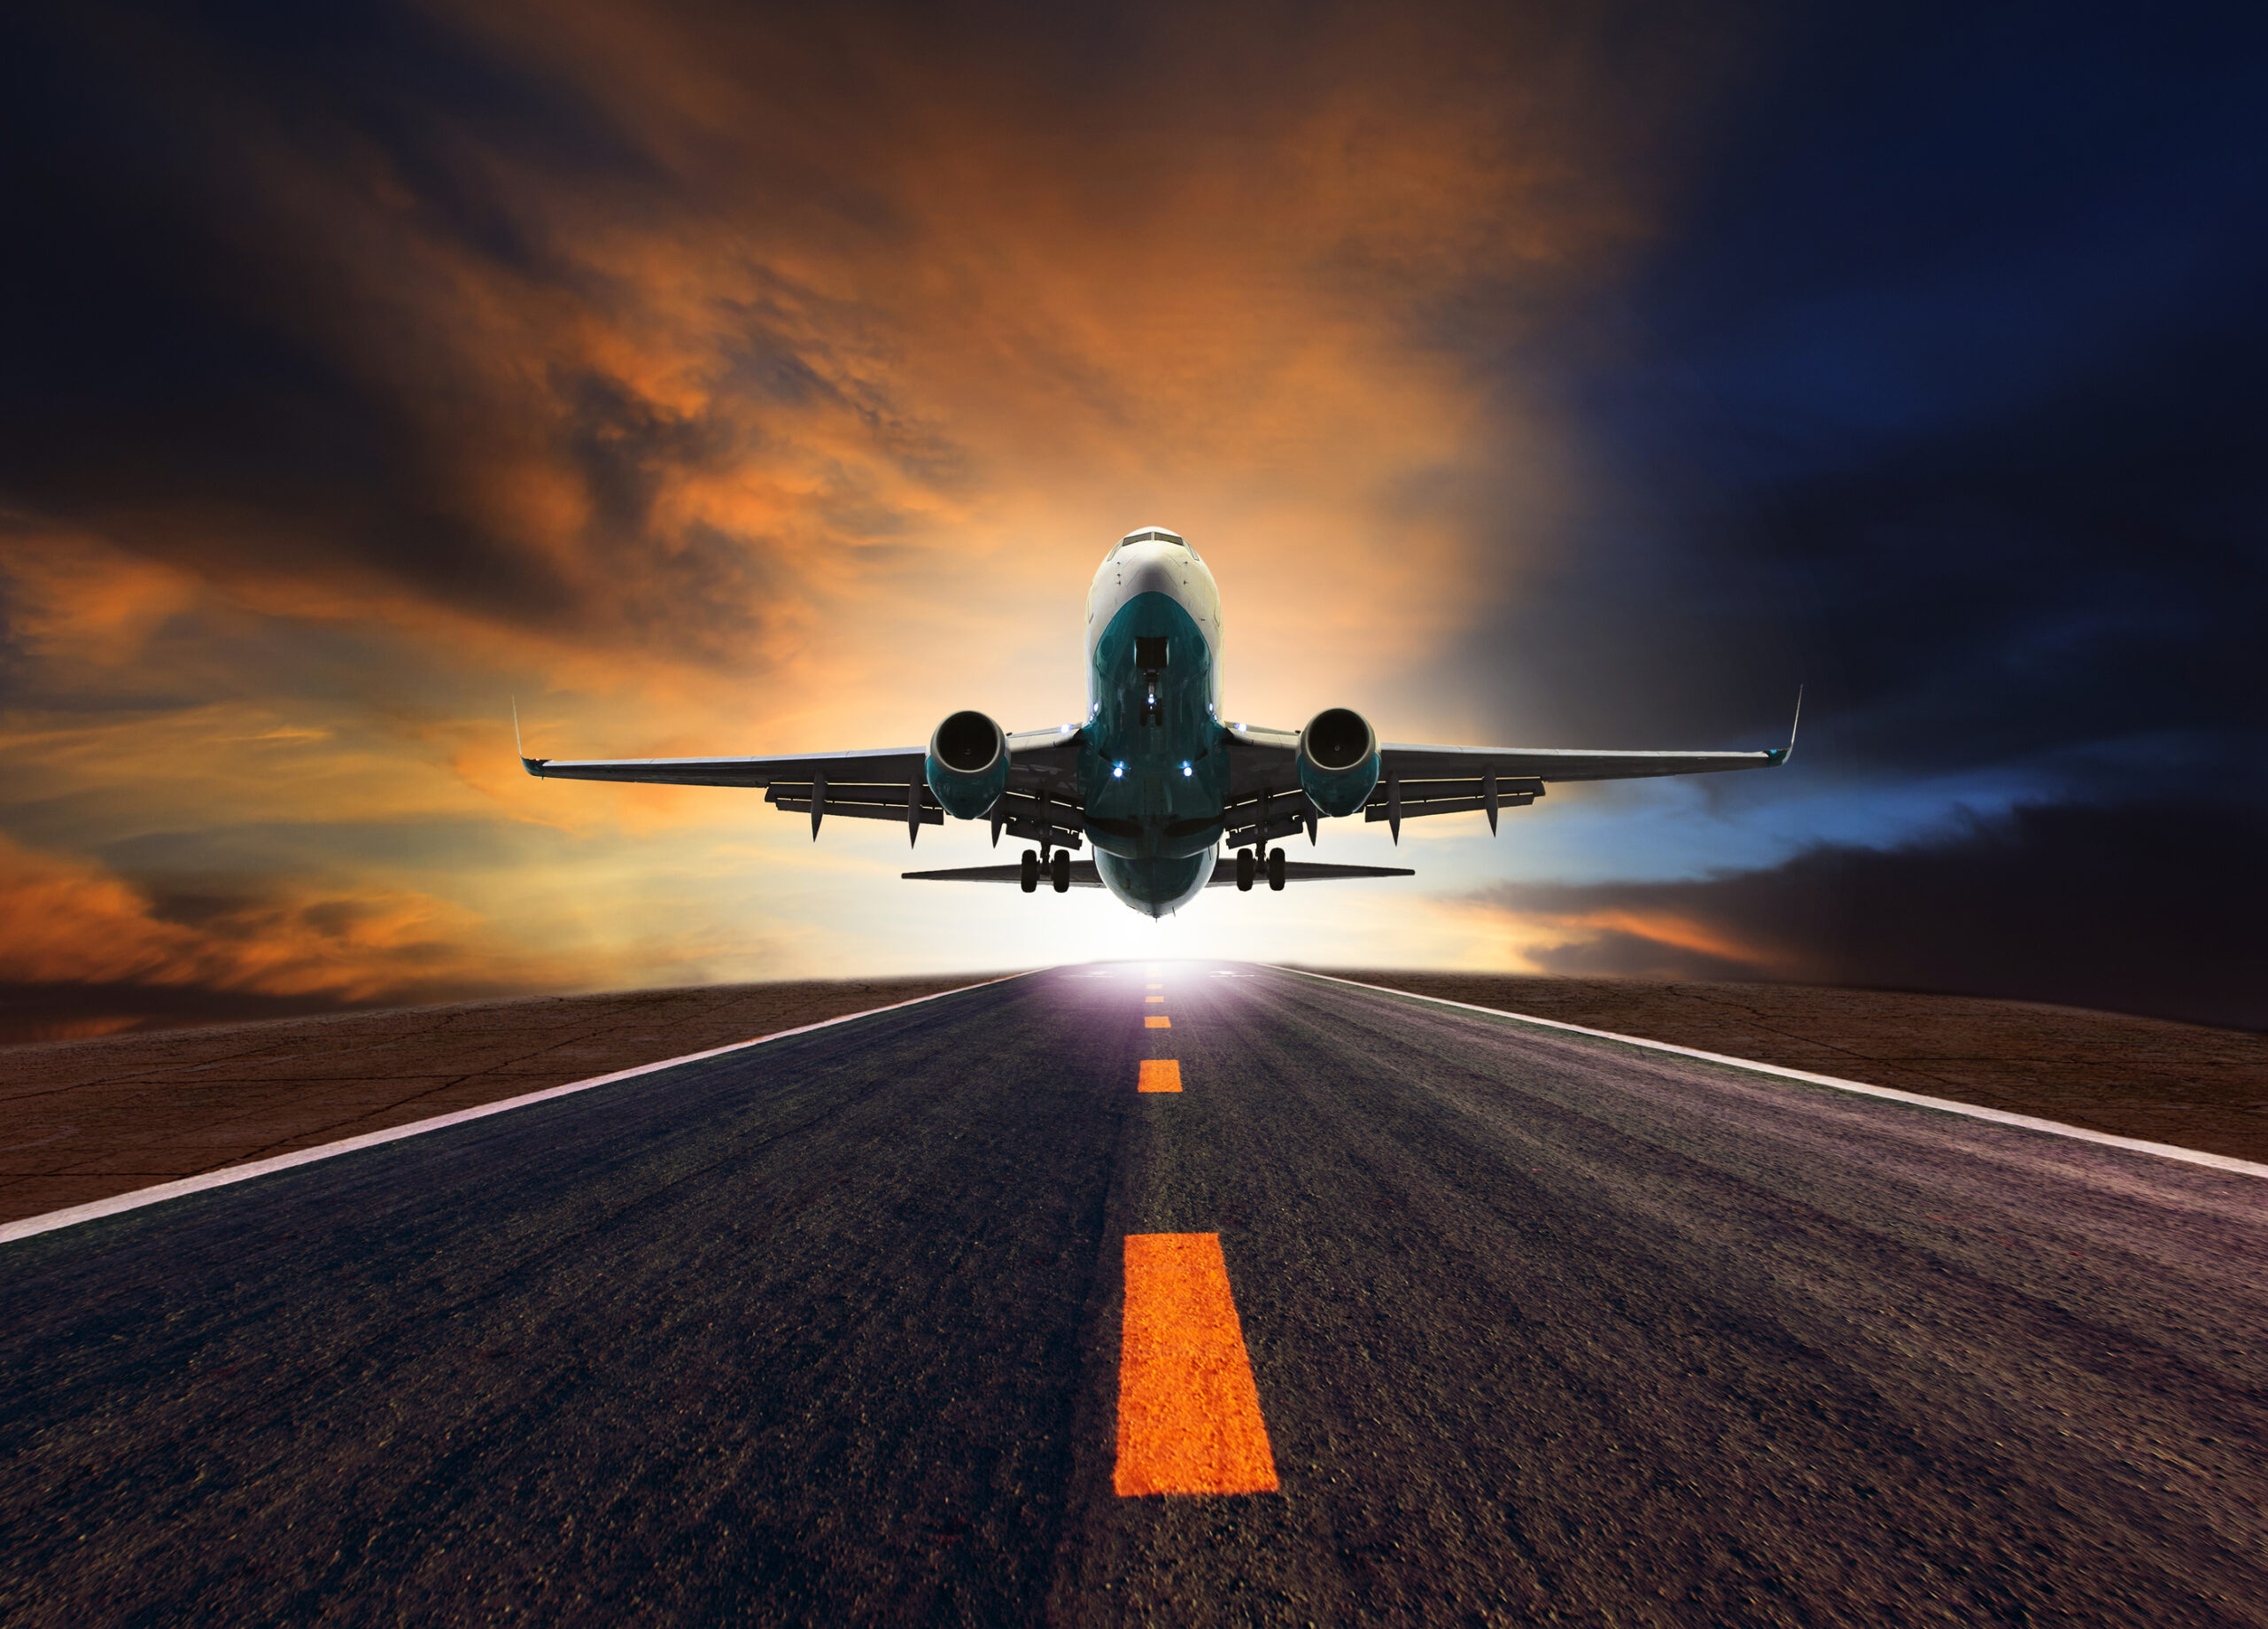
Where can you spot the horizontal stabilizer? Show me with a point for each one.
(1083, 874)
(1313, 871)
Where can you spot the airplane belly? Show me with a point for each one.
(1155, 886)
(1152, 764)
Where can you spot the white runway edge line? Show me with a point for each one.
(2056, 1128)
(95, 1209)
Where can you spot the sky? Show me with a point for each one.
(716, 379)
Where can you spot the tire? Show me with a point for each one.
(1029, 880)
(1276, 870)
(1245, 869)
(1059, 871)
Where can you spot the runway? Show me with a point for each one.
(1538, 1327)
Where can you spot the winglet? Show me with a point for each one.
(534, 766)
(1780, 755)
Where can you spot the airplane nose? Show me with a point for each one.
(1150, 575)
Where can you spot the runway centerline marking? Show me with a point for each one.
(1189, 1418)
(1160, 1074)
(1157, 1021)
(1153, 998)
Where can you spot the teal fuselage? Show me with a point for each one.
(1153, 771)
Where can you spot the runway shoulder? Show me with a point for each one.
(2191, 1085)
(89, 1119)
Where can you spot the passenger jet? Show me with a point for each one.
(1153, 778)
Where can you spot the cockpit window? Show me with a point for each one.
(1153, 535)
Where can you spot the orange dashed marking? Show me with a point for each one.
(1153, 998)
(1189, 1418)
(1160, 1074)
(1154, 987)
(1157, 1021)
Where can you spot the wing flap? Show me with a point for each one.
(859, 802)
(1381, 810)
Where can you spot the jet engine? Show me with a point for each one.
(968, 764)
(1339, 761)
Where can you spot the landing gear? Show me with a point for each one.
(1245, 869)
(1276, 870)
(1059, 871)
(1030, 880)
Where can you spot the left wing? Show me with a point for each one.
(886, 784)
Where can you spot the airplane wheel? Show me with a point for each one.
(1060, 872)
(1276, 870)
(1030, 878)
(1245, 868)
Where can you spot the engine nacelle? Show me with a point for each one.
(1339, 761)
(968, 764)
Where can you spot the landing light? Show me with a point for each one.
(1185, 770)
(1118, 771)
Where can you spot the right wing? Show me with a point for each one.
(1265, 801)
(886, 784)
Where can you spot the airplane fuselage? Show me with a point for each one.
(1152, 767)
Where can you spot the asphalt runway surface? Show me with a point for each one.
(1541, 1328)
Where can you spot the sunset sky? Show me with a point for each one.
(747, 379)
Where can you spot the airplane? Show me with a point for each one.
(1153, 780)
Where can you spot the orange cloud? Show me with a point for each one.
(1617, 938)
(1678, 932)
(67, 921)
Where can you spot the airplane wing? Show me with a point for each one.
(885, 784)
(1265, 801)
(1083, 874)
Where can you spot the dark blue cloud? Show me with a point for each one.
(1943, 389)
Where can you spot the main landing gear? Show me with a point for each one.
(1058, 868)
(1248, 867)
